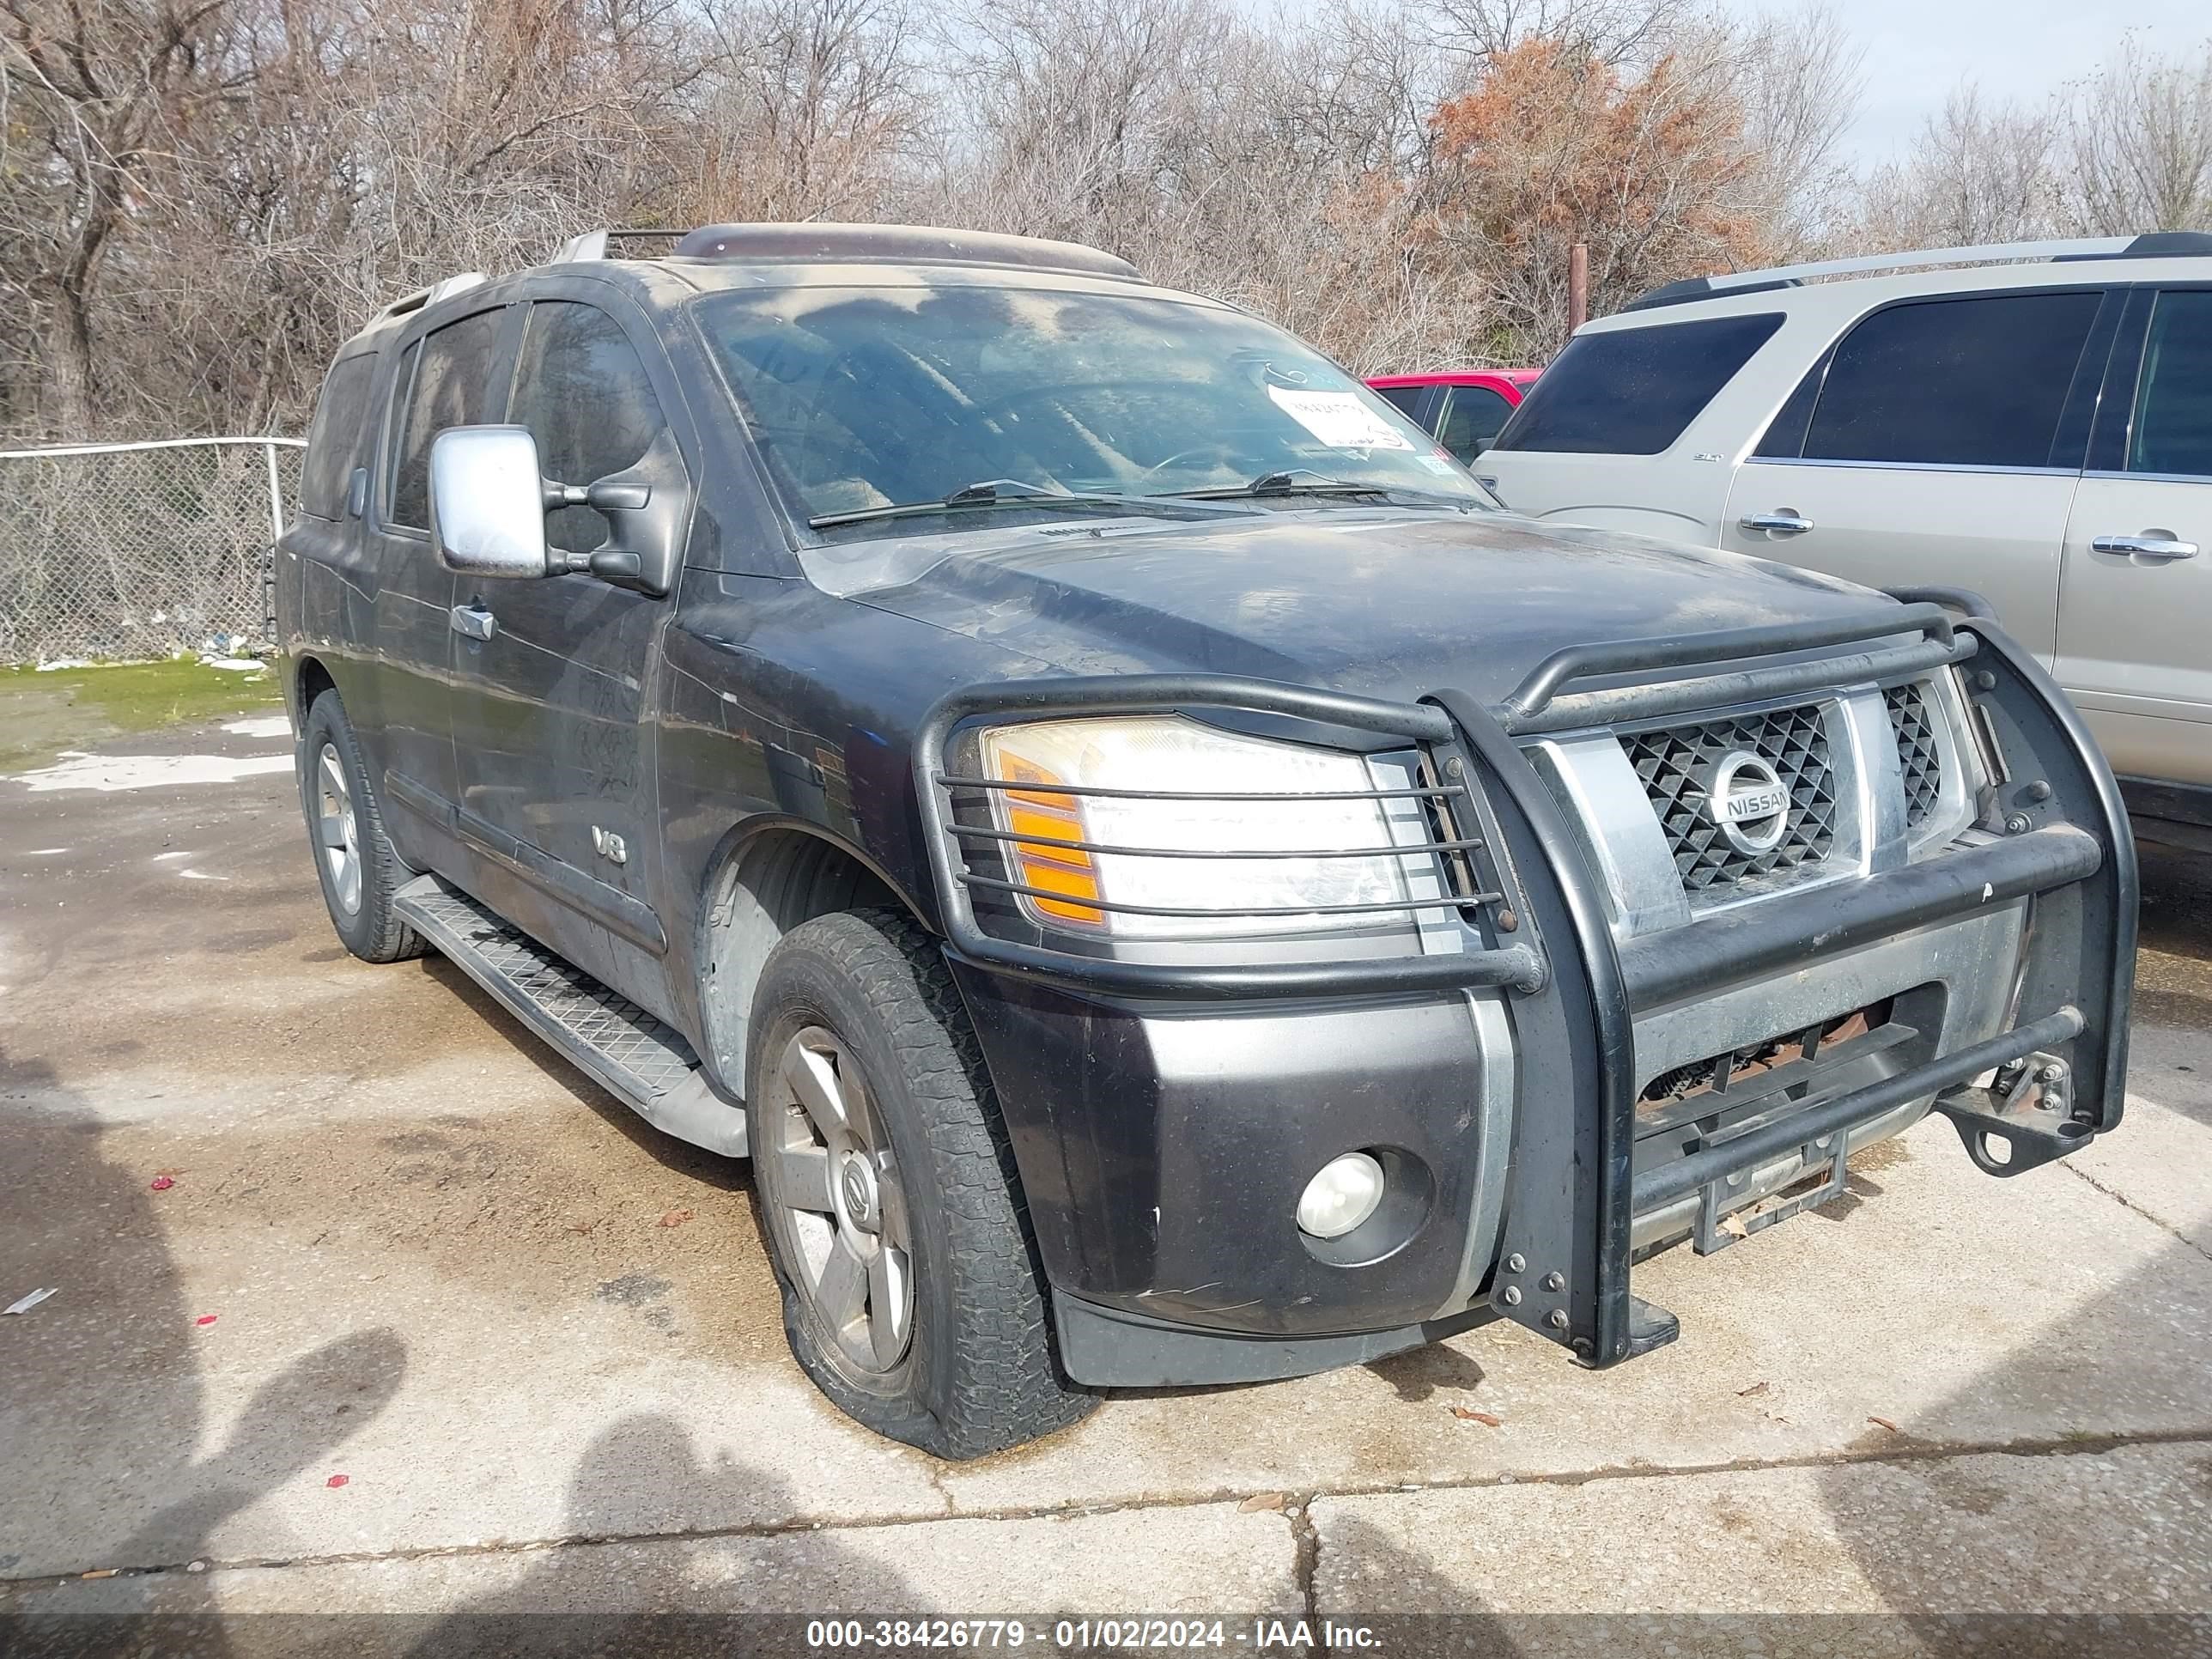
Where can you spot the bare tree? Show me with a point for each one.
(2139, 144)
(92, 94)
(1798, 78)
(1613, 33)
(197, 205)
(1979, 172)
(810, 108)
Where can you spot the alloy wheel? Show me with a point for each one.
(336, 829)
(843, 1209)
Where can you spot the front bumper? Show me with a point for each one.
(1164, 1122)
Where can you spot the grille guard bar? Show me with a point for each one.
(1571, 1196)
(1537, 703)
(1515, 965)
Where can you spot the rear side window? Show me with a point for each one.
(2172, 431)
(1632, 391)
(450, 370)
(1472, 419)
(1407, 398)
(1976, 382)
(334, 440)
(582, 390)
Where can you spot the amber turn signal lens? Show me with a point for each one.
(1056, 870)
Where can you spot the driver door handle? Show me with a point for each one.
(2151, 545)
(474, 621)
(1782, 521)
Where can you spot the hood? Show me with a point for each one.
(1385, 603)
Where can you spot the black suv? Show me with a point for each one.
(1166, 881)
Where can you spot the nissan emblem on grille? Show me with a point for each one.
(1747, 800)
(1718, 836)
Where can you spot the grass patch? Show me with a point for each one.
(41, 714)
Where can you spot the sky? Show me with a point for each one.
(1917, 49)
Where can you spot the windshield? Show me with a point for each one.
(865, 398)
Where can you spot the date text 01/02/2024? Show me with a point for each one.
(1261, 1635)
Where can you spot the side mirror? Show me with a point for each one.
(488, 501)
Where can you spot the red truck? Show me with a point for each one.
(1462, 409)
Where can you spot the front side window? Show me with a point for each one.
(2172, 431)
(451, 368)
(1632, 391)
(867, 398)
(582, 390)
(1472, 418)
(1973, 382)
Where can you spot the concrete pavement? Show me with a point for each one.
(403, 1245)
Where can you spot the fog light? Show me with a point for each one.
(1344, 1194)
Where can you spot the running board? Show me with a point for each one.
(645, 1063)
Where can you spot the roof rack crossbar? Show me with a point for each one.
(2150, 245)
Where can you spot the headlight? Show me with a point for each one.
(1170, 763)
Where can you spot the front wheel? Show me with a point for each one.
(911, 1290)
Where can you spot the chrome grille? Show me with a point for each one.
(1918, 757)
(1676, 764)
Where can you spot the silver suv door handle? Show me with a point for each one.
(1782, 521)
(2151, 545)
(474, 621)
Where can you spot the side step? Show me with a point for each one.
(644, 1062)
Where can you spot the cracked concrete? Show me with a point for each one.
(399, 1244)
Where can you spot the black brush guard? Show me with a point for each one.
(1523, 881)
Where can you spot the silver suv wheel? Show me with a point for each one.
(337, 833)
(843, 1209)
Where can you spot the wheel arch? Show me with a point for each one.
(769, 876)
(310, 679)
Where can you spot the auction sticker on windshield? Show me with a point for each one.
(1339, 419)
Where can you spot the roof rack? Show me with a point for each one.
(443, 288)
(593, 244)
(2152, 245)
(813, 240)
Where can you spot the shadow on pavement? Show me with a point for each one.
(666, 1597)
(2085, 1547)
(101, 1384)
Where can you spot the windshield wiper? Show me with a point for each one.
(989, 492)
(1310, 483)
(1301, 481)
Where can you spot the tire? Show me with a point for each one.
(362, 908)
(861, 1003)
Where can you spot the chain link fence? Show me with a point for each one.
(143, 549)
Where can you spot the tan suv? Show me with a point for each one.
(2032, 421)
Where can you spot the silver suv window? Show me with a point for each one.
(1972, 382)
(2172, 432)
(1632, 391)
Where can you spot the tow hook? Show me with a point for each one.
(2027, 1113)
